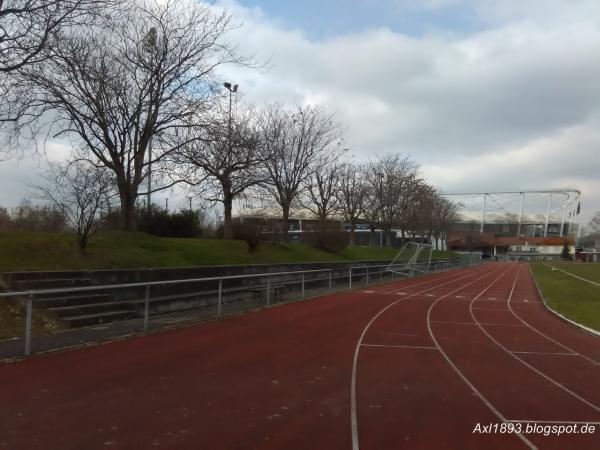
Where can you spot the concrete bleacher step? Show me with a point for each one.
(90, 308)
(83, 320)
(71, 300)
(53, 283)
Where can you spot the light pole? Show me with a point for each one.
(232, 90)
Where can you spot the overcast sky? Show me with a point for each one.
(485, 95)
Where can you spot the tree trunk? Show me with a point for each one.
(372, 237)
(227, 221)
(285, 226)
(82, 242)
(388, 238)
(128, 196)
(352, 234)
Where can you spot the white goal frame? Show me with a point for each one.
(414, 264)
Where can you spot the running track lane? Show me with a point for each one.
(279, 378)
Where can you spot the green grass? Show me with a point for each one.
(575, 299)
(21, 251)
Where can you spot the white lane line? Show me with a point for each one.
(568, 422)
(435, 279)
(463, 376)
(353, 408)
(525, 363)
(482, 323)
(527, 324)
(399, 346)
(545, 353)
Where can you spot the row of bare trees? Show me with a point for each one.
(134, 87)
(387, 193)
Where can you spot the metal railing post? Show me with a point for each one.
(330, 280)
(28, 321)
(220, 301)
(380, 275)
(302, 284)
(147, 309)
(268, 290)
(350, 278)
(367, 275)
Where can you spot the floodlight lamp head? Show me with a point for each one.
(235, 88)
(227, 85)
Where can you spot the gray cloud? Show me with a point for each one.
(511, 107)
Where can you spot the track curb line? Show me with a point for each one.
(556, 313)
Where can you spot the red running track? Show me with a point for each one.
(413, 364)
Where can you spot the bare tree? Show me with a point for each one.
(445, 213)
(28, 26)
(321, 190)
(372, 199)
(79, 190)
(125, 88)
(594, 224)
(223, 157)
(294, 143)
(397, 176)
(351, 194)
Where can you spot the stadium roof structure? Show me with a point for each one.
(538, 200)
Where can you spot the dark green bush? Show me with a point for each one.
(159, 222)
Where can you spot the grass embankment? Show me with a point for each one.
(21, 251)
(575, 299)
(24, 251)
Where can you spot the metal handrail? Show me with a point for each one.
(30, 294)
(148, 283)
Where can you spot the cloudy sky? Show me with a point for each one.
(486, 95)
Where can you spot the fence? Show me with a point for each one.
(230, 292)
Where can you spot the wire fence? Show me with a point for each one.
(160, 304)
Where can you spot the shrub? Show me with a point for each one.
(250, 231)
(332, 241)
(159, 222)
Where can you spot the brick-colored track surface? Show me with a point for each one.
(413, 364)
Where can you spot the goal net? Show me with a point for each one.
(412, 259)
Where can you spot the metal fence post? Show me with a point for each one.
(147, 309)
(28, 321)
(350, 278)
(268, 290)
(330, 280)
(367, 275)
(220, 301)
(380, 275)
(302, 284)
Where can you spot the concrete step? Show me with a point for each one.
(90, 308)
(56, 283)
(72, 300)
(84, 320)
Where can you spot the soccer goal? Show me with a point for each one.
(413, 258)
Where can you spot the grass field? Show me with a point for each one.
(20, 251)
(575, 299)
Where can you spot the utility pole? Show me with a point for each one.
(232, 90)
(548, 215)
(483, 214)
(521, 214)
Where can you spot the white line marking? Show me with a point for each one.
(463, 376)
(482, 323)
(398, 346)
(527, 324)
(545, 353)
(353, 416)
(525, 363)
(574, 422)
